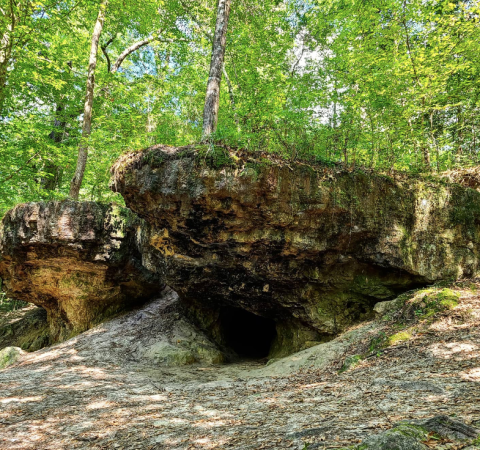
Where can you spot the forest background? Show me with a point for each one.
(385, 84)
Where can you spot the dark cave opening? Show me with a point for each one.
(250, 336)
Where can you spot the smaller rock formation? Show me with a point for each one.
(26, 328)
(81, 262)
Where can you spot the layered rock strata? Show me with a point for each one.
(82, 262)
(310, 247)
(260, 251)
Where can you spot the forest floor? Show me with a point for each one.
(87, 394)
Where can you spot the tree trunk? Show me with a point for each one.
(54, 172)
(87, 112)
(212, 98)
(6, 45)
(231, 94)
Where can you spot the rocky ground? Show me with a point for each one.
(96, 391)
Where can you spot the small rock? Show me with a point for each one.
(10, 355)
(169, 355)
(393, 440)
(383, 308)
(409, 435)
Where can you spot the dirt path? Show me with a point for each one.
(87, 393)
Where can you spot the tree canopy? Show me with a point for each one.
(387, 84)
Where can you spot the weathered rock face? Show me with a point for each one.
(26, 328)
(80, 261)
(311, 248)
(412, 435)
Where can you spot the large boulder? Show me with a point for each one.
(82, 262)
(310, 247)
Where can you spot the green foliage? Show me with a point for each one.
(8, 304)
(215, 156)
(9, 356)
(387, 85)
(351, 362)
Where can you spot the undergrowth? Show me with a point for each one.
(408, 314)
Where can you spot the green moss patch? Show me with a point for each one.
(9, 356)
(215, 156)
(435, 302)
(351, 362)
(396, 338)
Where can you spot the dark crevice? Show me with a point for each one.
(250, 336)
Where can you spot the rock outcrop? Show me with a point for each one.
(82, 262)
(415, 434)
(269, 258)
(308, 247)
(26, 328)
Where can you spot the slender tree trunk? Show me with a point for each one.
(212, 98)
(231, 94)
(87, 113)
(425, 150)
(6, 45)
(53, 170)
(460, 126)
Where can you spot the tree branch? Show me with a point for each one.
(20, 169)
(141, 44)
(128, 51)
(104, 51)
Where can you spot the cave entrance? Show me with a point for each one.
(250, 336)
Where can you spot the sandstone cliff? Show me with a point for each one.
(264, 254)
(309, 247)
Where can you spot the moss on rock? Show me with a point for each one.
(351, 362)
(9, 356)
(396, 338)
(411, 435)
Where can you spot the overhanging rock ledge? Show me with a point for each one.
(310, 247)
(81, 261)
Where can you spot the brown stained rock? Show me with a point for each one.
(312, 244)
(79, 261)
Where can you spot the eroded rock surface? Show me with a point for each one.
(413, 435)
(26, 328)
(82, 262)
(309, 247)
(93, 391)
